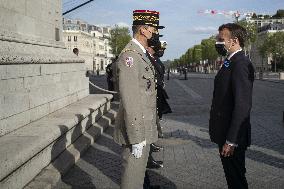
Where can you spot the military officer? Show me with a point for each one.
(156, 50)
(162, 96)
(136, 125)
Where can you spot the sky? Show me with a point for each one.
(184, 25)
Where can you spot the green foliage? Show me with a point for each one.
(267, 16)
(197, 53)
(273, 44)
(175, 63)
(208, 49)
(262, 46)
(254, 16)
(205, 50)
(279, 14)
(251, 31)
(120, 36)
(189, 55)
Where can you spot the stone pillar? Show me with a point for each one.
(281, 75)
(37, 74)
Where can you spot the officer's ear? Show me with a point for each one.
(235, 41)
(142, 30)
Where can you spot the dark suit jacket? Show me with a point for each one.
(232, 101)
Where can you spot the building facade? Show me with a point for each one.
(261, 21)
(91, 41)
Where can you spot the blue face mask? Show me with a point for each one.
(220, 48)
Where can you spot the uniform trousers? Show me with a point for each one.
(133, 169)
(234, 168)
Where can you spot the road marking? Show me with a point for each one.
(188, 90)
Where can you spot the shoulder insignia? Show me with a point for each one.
(129, 61)
(131, 50)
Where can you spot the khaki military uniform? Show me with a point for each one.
(136, 118)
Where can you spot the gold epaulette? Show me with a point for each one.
(133, 50)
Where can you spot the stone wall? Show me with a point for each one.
(29, 92)
(37, 74)
(31, 21)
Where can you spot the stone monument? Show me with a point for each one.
(37, 74)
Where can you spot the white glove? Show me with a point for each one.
(137, 149)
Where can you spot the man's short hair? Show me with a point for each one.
(135, 28)
(236, 31)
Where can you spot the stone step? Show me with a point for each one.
(28, 150)
(52, 174)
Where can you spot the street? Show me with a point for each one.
(190, 159)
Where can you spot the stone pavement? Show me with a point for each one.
(190, 159)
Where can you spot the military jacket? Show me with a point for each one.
(136, 118)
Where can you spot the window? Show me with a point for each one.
(75, 38)
(57, 35)
(69, 38)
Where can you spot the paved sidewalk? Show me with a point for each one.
(190, 159)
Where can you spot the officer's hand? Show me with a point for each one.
(227, 150)
(137, 149)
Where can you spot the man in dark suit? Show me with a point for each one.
(229, 124)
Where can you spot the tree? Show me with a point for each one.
(120, 36)
(279, 14)
(273, 44)
(254, 16)
(197, 54)
(208, 50)
(189, 53)
(251, 34)
(267, 16)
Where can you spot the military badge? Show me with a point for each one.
(129, 62)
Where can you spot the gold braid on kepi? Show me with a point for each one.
(146, 17)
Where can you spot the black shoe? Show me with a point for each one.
(155, 148)
(155, 164)
(155, 187)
